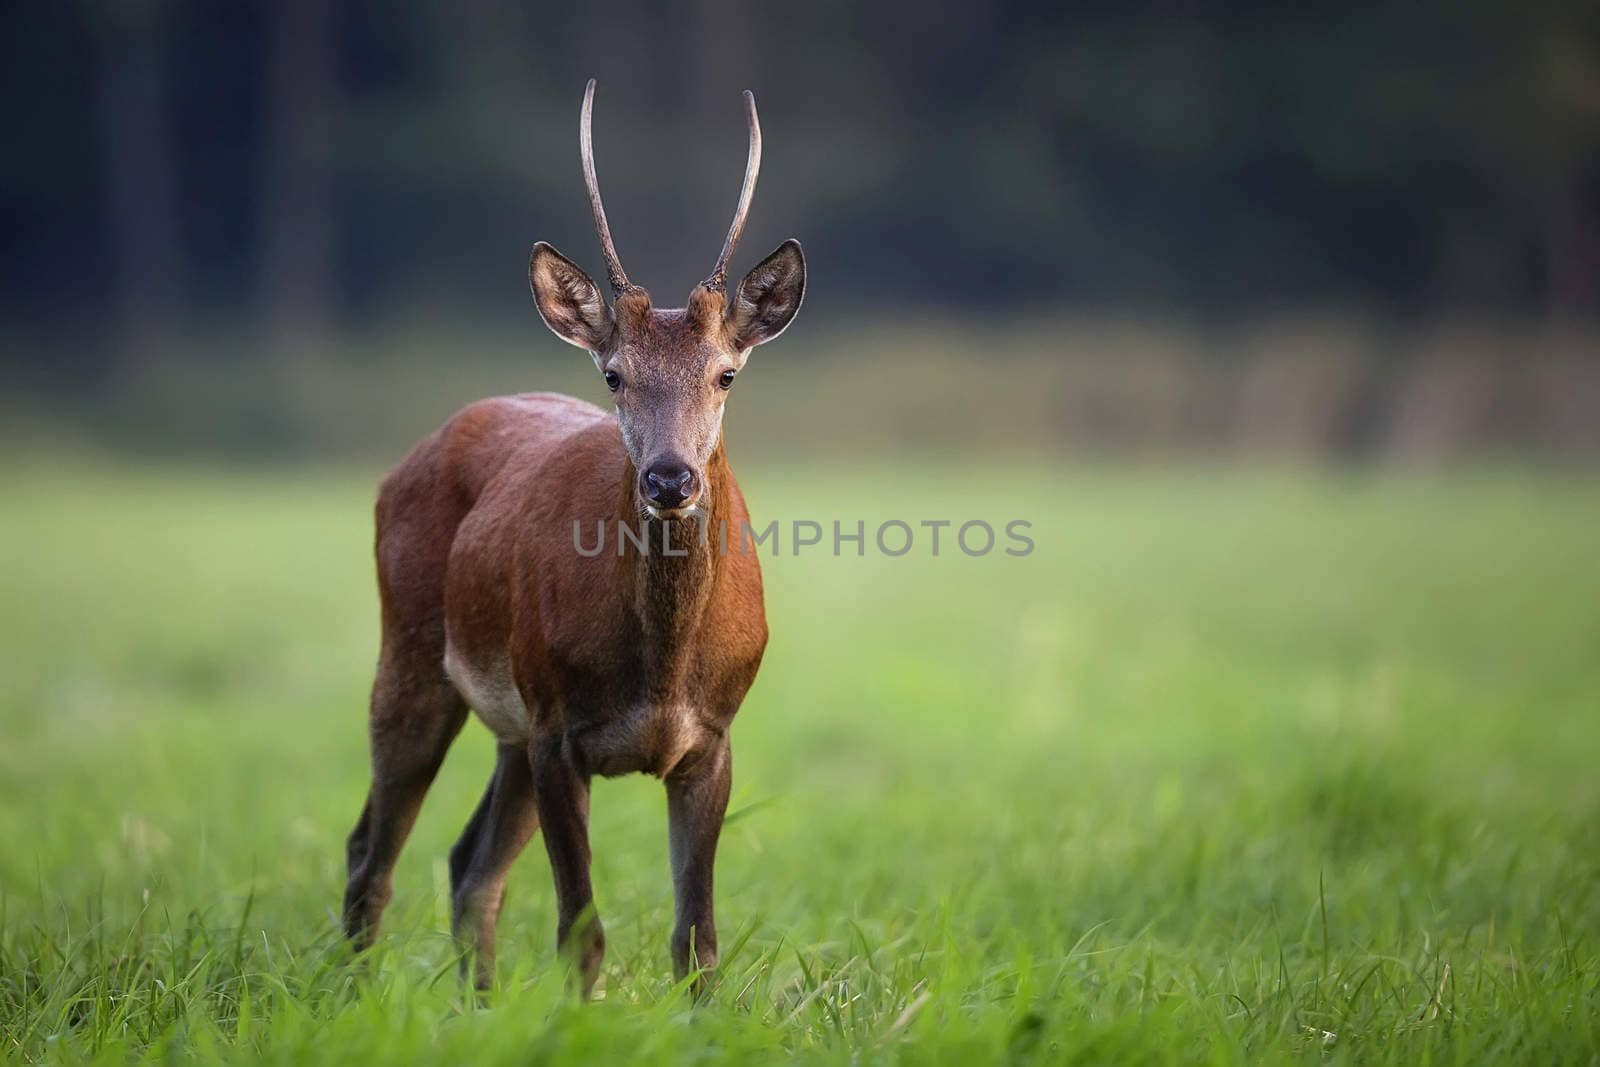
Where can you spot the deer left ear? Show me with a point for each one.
(568, 300)
(768, 297)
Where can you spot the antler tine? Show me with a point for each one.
(752, 168)
(619, 277)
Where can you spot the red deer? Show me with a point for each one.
(580, 664)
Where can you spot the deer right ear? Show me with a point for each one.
(568, 300)
(768, 297)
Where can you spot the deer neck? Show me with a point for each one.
(672, 579)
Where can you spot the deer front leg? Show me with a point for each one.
(697, 800)
(561, 792)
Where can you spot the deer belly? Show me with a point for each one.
(492, 694)
(650, 738)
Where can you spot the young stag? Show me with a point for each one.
(579, 664)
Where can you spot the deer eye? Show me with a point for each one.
(726, 381)
(613, 380)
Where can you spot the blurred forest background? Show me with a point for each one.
(300, 229)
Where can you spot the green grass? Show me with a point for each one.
(1234, 768)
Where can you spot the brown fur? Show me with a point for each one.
(626, 663)
(581, 665)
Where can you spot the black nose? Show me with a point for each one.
(668, 483)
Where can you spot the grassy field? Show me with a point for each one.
(1233, 768)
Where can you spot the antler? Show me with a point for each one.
(619, 277)
(752, 167)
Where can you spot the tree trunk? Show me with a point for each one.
(298, 272)
(141, 174)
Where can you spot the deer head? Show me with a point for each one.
(669, 369)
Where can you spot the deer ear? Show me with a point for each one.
(568, 300)
(768, 297)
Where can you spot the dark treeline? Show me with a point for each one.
(289, 169)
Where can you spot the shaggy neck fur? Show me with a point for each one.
(670, 591)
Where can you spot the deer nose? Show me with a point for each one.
(668, 483)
